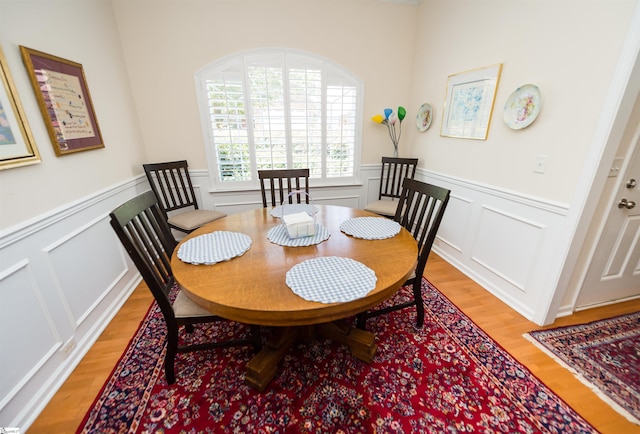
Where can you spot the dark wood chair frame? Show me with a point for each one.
(146, 236)
(420, 210)
(393, 172)
(171, 183)
(281, 182)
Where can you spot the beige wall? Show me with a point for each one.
(371, 38)
(568, 48)
(404, 54)
(84, 32)
(140, 58)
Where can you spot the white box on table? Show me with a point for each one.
(299, 225)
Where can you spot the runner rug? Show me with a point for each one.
(448, 376)
(604, 355)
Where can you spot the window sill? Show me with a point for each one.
(312, 186)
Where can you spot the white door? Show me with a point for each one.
(614, 273)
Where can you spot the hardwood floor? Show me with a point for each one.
(67, 408)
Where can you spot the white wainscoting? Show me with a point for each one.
(502, 240)
(64, 275)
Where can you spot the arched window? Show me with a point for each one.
(279, 109)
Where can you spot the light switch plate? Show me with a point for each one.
(540, 165)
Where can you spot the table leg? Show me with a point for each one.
(261, 369)
(361, 343)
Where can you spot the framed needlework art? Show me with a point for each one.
(63, 96)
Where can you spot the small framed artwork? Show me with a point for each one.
(63, 96)
(469, 103)
(17, 147)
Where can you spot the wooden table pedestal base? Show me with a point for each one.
(261, 369)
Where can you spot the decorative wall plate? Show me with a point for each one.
(423, 120)
(522, 107)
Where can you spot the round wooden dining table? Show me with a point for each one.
(252, 289)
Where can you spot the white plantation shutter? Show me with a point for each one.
(341, 128)
(276, 110)
(306, 120)
(227, 122)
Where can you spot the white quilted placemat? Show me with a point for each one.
(293, 209)
(370, 228)
(331, 279)
(279, 235)
(215, 247)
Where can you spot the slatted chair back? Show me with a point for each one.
(393, 173)
(146, 236)
(278, 183)
(172, 186)
(420, 210)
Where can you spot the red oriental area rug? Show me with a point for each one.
(604, 355)
(448, 376)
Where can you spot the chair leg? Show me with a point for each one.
(361, 321)
(170, 356)
(188, 328)
(417, 296)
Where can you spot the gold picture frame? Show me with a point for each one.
(65, 102)
(469, 102)
(17, 147)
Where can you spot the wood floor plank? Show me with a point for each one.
(67, 408)
(65, 411)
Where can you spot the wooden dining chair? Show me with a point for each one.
(280, 183)
(420, 210)
(146, 236)
(393, 172)
(172, 185)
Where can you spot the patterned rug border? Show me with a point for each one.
(131, 347)
(575, 372)
(157, 370)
